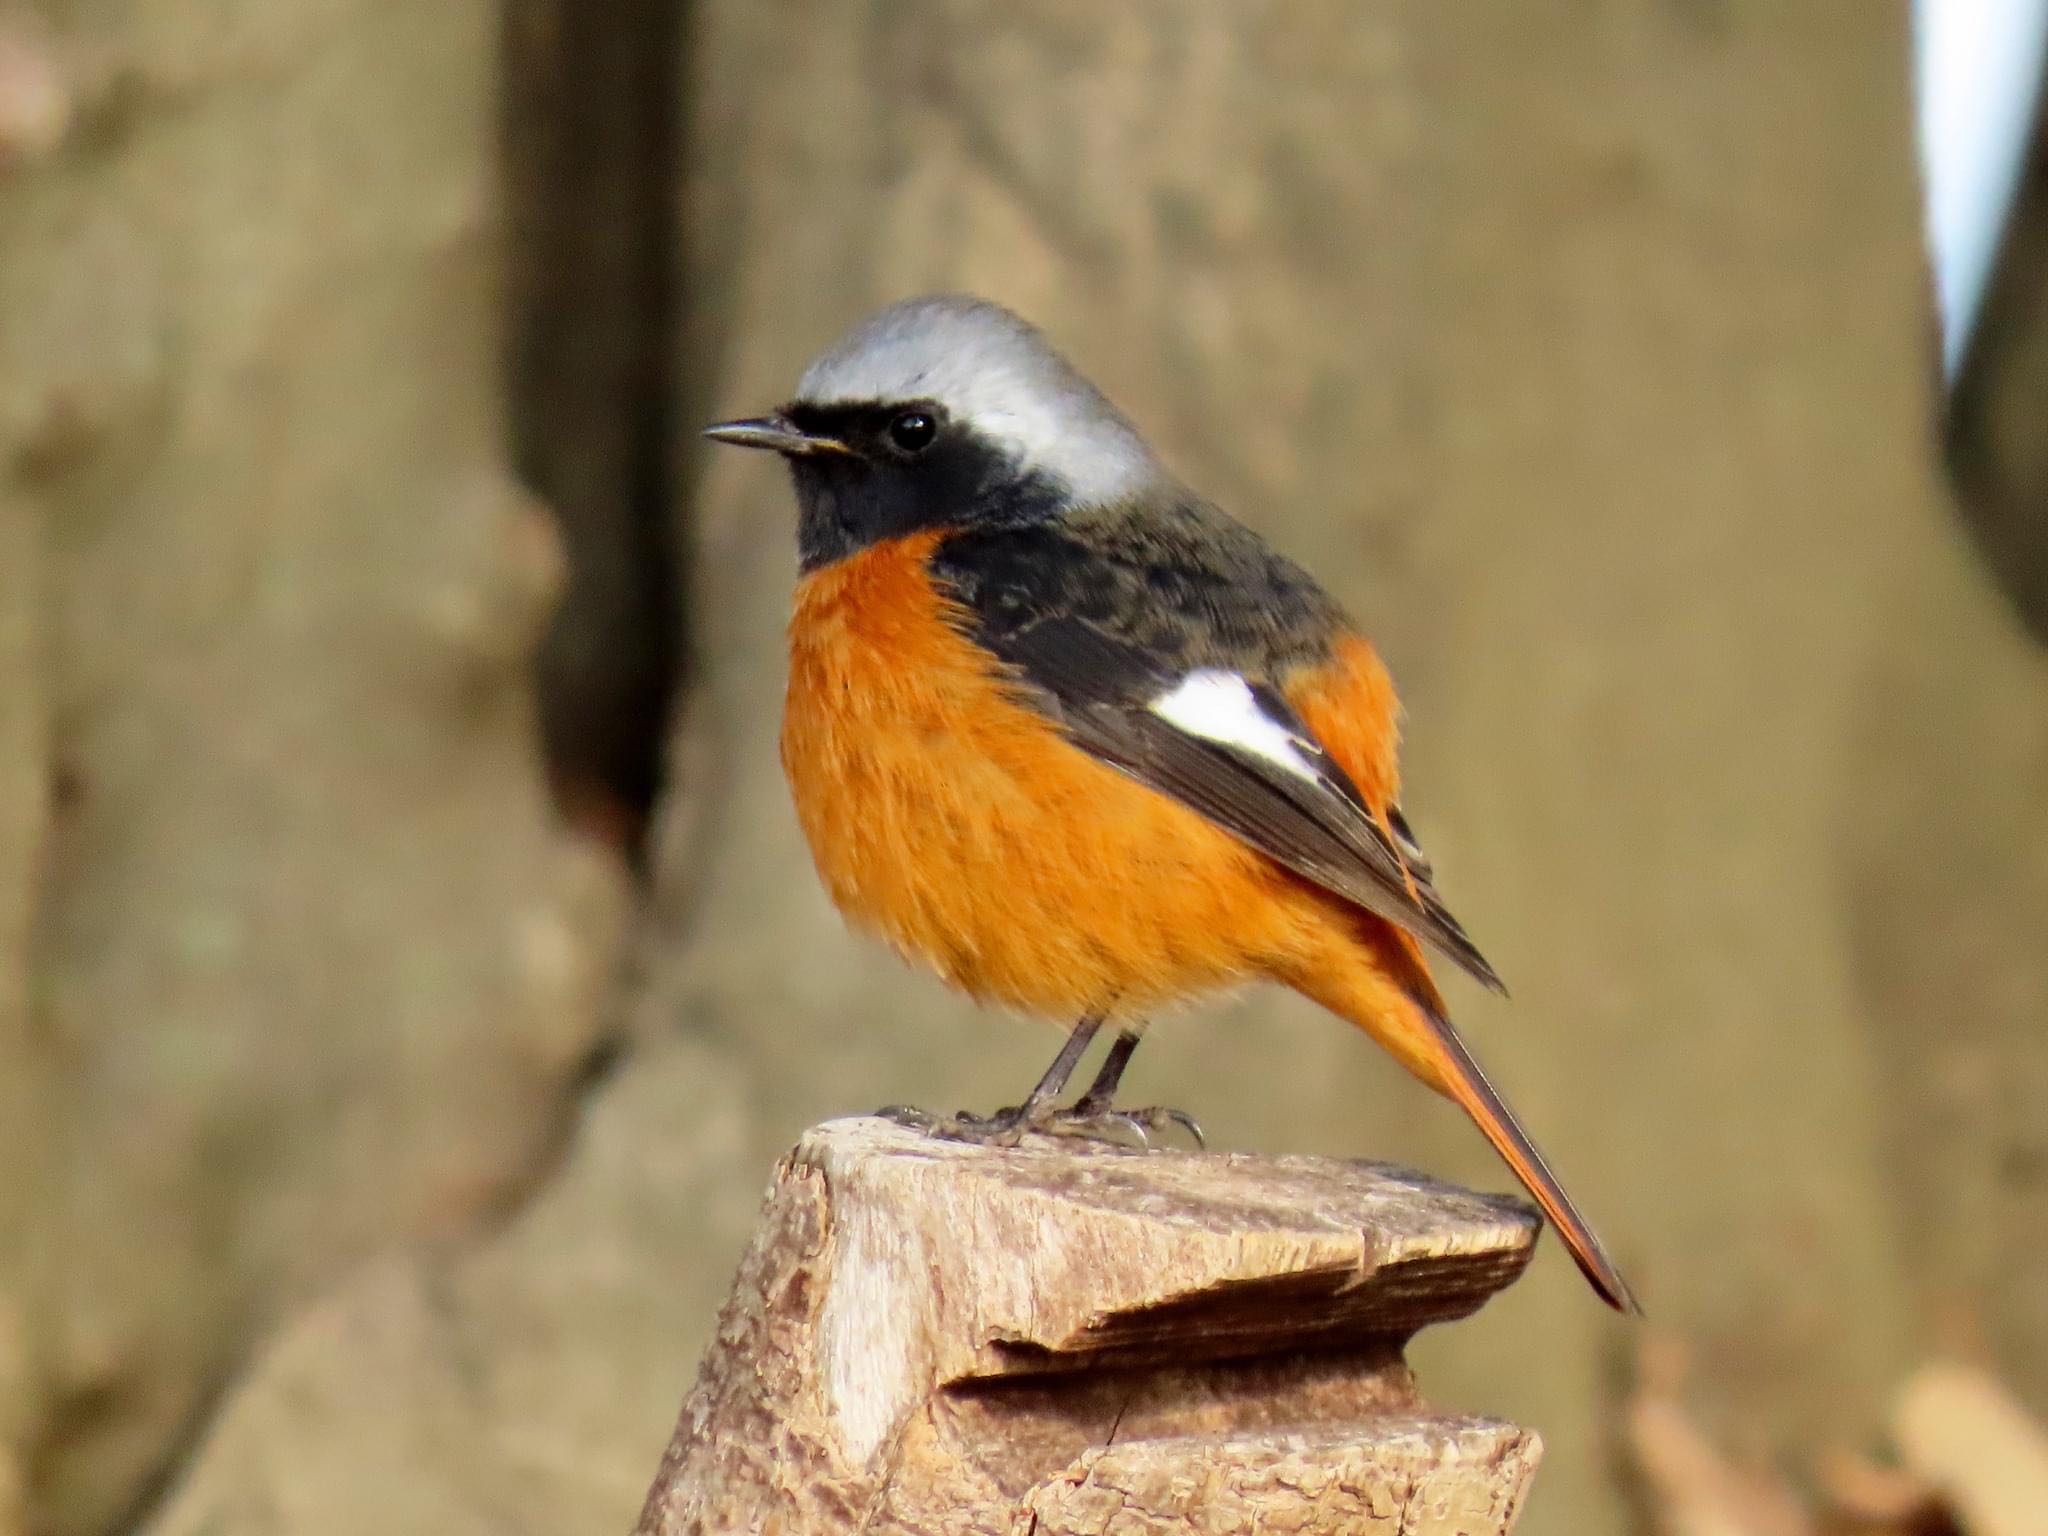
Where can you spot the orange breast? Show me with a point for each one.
(956, 820)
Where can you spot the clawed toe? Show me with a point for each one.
(909, 1116)
(1159, 1118)
(1086, 1119)
(1114, 1126)
(1004, 1128)
(1101, 1121)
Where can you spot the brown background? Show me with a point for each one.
(1583, 349)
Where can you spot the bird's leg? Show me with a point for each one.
(1095, 1111)
(1102, 1092)
(1007, 1125)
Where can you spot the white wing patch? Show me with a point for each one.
(1219, 706)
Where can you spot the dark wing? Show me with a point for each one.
(1099, 624)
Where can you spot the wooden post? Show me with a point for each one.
(1064, 1339)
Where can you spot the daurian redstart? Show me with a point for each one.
(1070, 734)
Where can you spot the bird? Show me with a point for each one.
(1089, 747)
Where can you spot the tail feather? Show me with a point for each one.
(1383, 986)
(1466, 1082)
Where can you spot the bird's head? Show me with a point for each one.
(943, 412)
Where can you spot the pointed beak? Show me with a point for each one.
(776, 433)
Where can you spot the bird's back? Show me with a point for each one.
(1174, 576)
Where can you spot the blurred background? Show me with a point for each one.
(409, 966)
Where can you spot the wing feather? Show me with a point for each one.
(1101, 690)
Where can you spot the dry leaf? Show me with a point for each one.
(1694, 1490)
(1965, 1434)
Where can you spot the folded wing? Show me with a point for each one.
(1199, 716)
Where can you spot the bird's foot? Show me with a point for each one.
(1099, 1120)
(1004, 1128)
(1083, 1120)
(909, 1116)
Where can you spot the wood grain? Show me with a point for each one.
(1064, 1337)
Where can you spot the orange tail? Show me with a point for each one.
(1392, 999)
(1465, 1081)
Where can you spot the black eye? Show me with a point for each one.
(913, 431)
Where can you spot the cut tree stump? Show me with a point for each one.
(1066, 1339)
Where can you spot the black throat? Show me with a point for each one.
(847, 502)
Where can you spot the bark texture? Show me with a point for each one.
(1585, 353)
(1583, 349)
(293, 959)
(591, 105)
(926, 1336)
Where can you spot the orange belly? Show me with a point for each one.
(958, 823)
